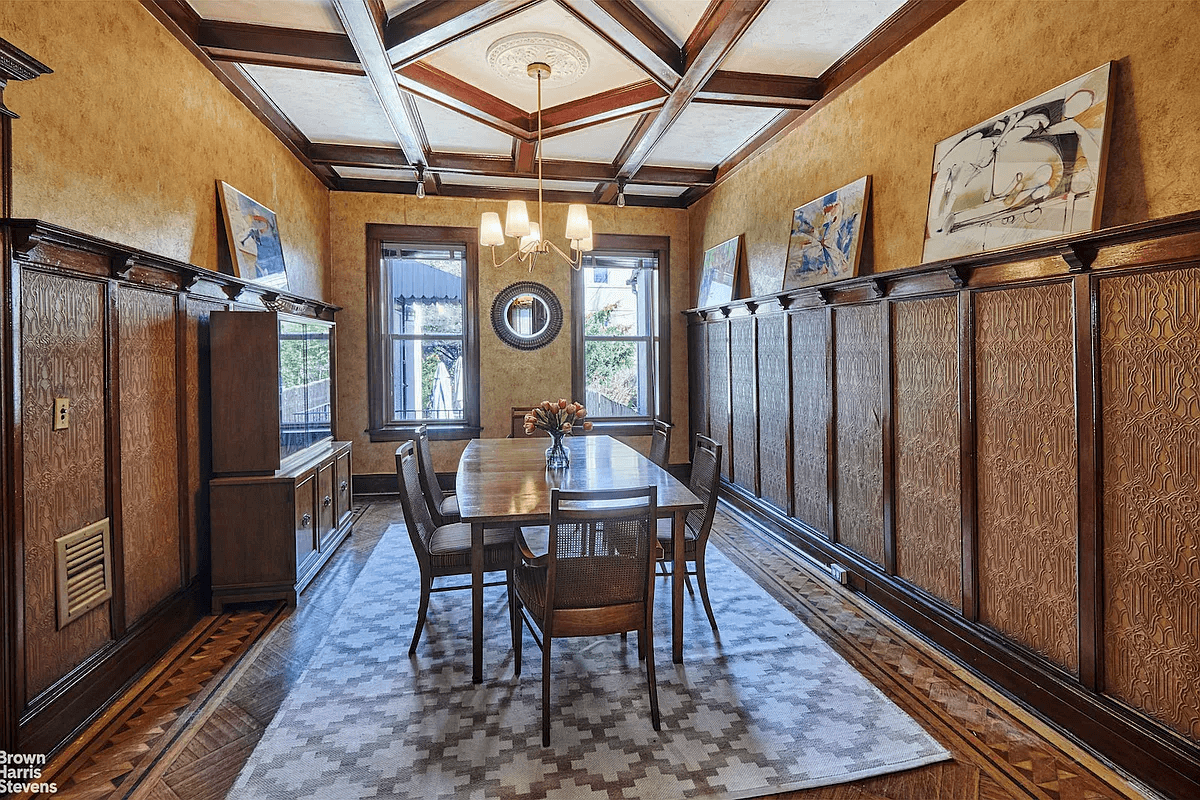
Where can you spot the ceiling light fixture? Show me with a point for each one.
(420, 183)
(516, 221)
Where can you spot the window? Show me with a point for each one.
(424, 346)
(620, 332)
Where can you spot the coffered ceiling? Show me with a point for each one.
(660, 97)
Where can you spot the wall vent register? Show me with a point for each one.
(83, 571)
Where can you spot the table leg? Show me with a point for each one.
(477, 601)
(679, 564)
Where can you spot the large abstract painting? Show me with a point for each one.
(718, 275)
(253, 235)
(1034, 172)
(826, 238)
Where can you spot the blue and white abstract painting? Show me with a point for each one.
(826, 238)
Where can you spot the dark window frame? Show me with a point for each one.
(661, 247)
(381, 427)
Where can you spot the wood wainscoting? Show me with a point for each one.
(123, 335)
(1004, 451)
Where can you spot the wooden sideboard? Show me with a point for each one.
(271, 534)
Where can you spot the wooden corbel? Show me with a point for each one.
(1079, 256)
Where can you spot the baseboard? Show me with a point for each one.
(1162, 758)
(57, 714)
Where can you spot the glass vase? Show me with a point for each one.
(557, 456)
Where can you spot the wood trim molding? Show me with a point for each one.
(623, 25)
(426, 27)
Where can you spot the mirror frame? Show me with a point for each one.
(500, 313)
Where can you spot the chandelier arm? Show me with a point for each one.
(575, 261)
(498, 264)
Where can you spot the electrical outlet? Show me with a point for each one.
(840, 574)
(62, 413)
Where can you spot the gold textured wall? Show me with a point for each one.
(129, 135)
(508, 377)
(983, 58)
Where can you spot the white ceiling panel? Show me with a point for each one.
(377, 173)
(706, 134)
(464, 179)
(466, 59)
(676, 18)
(451, 132)
(305, 15)
(805, 37)
(598, 143)
(335, 109)
(655, 191)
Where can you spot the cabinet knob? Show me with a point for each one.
(305, 520)
(327, 502)
(345, 485)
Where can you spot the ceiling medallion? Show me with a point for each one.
(511, 56)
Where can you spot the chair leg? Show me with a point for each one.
(687, 581)
(545, 688)
(704, 590)
(426, 587)
(641, 644)
(514, 620)
(647, 634)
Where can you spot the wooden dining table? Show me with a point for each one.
(506, 482)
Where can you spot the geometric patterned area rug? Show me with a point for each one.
(763, 707)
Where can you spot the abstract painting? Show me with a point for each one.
(253, 236)
(826, 238)
(718, 275)
(1032, 173)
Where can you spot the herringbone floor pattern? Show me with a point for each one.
(186, 733)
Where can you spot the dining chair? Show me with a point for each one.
(705, 480)
(660, 443)
(596, 577)
(445, 550)
(444, 507)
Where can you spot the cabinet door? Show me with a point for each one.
(306, 521)
(325, 511)
(343, 499)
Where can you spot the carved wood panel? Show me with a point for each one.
(149, 449)
(859, 390)
(927, 455)
(1027, 479)
(698, 368)
(62, 331)
(745, 411)
(1150, 407)
(810, 418)
(718, 391)
(774, 415)
(198, 423)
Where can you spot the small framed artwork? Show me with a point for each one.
(825, 242)
(1031, 173)
(719, 273)
(253, 236)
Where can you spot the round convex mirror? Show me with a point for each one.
(526, 315)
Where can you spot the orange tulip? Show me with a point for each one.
(545, 405)
(587, 426)
(566, 427)
(562, 403)
(581, 412)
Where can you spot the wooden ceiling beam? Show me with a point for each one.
(754, 89)
(363, 26)
(431, 25)
(623, 25)
(607, 106)
(346, 155)
(234, 38)
(723, 25)
(447, 90)
(524, 156)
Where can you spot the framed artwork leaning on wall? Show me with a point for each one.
(719, 273)
(255, 250)
(825, 243)
(1033, 172)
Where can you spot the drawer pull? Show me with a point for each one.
(327, 502)
(345, 485)
(305, 520)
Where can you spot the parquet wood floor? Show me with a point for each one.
(186, 729)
